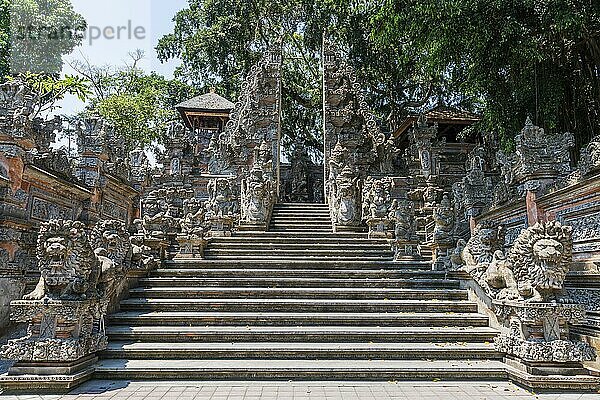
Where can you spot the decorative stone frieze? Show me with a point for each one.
(590, 157)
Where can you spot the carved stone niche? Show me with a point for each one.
(537, 340)
(377, 206)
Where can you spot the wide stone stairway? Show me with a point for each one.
(299, 302)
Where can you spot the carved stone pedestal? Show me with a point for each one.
(380, 228)
(63, 338)
(440, 252)
(406, 250)
(190, 247)
(221, 226)
(537, 341)
(158, 247)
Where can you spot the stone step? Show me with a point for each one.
(299, 241)
(182, 318)
(302, 206)
(297, 293)
(301, 229)
(302, 282)
(328, 334)
(231, 246)
(116, 369)
(298, 305)
(285, 254)
(258, 262)
(302, 351)
(304, 233)
(176, 271)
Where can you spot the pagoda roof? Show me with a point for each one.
(440, 114)
(206, 102)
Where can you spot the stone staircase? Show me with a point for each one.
(299, 302)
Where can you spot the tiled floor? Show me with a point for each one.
(104, 390)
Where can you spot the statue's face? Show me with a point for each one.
(548, 250)
(57, 248)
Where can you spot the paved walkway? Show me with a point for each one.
(123, 390)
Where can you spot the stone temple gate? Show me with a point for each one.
(425, 256)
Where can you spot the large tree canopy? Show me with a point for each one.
(219, 41)
(517, 58)
(506, 59)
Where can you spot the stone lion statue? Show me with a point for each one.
(540, 259)
(68, 267)
(533, 270)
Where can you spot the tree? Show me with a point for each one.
(50, 89)
(220, 40)
(139, 105)
(516, 58)
(35, 34)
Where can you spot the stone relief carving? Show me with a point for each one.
(590, 157)
(443, 216)
(475, 191)
(352, 138)
(110, 242)
(221, 207)
(537, 151)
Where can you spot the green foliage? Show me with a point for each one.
(50, 89)
(220, 40)
(139, 105)
(4, 38)
(506, 59)
(517, 58)
(35, 34)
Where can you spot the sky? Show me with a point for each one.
(141, 24)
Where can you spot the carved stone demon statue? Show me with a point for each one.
(69, 269)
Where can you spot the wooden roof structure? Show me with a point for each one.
(442, 115)
(206, 105)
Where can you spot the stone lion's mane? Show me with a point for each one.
(526, 267)
(79, 261)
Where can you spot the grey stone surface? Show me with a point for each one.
(241, 390)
